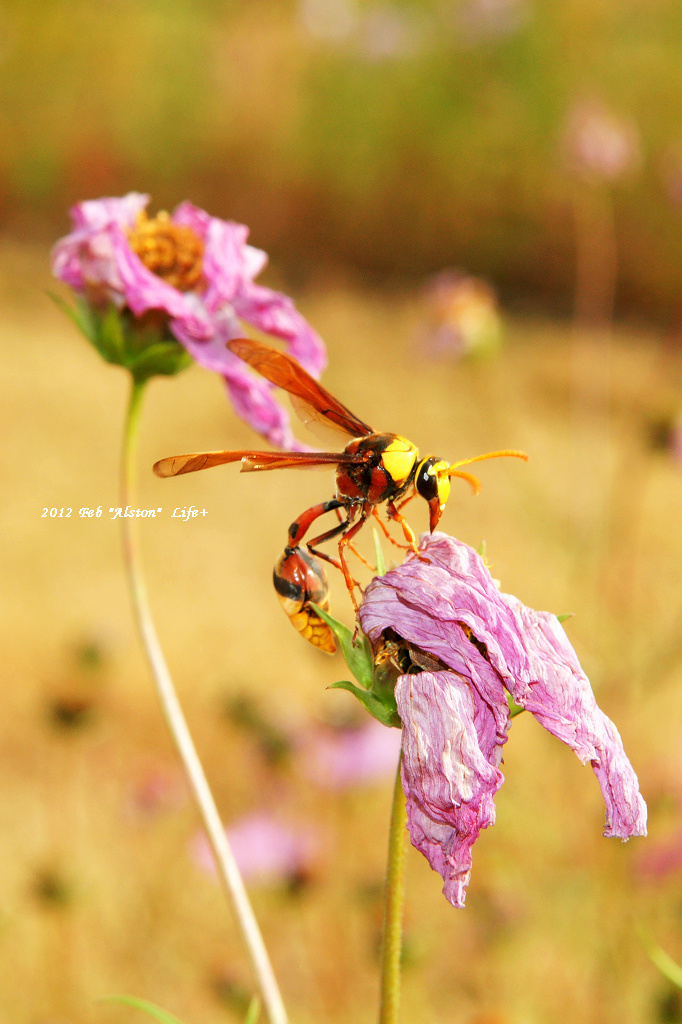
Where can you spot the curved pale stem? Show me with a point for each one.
(392, 939)
(225, 862)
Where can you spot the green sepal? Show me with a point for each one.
(383, 712)
(75, 314)
(164, 358)
(378, 700)
(145, 349)
(566, 615)
(108, 337)
(358, 658)
(514, 708)
(142, 1004)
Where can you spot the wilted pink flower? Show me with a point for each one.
(455, 720)
(198, 272)
(339, 758)
(266, 850)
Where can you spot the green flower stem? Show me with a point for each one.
(226, 864)
(391, 945)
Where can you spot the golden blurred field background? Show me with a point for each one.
(364, 160)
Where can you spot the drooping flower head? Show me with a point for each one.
(455, 714)
(194, 274)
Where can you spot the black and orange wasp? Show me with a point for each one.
(373, 469)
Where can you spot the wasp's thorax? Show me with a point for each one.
(386, 473)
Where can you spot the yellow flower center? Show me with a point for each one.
(171, 251)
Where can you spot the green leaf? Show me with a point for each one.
(665, 963)
(142, 1004)
(382, 712)
(566, 615)
(379, 554)
(358, 657)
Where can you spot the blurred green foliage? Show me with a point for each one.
(390, 137)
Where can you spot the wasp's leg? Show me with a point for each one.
(344, 542)
(358, 554)
(407, 529)
(334, 532)
(302, 524)
(404, 502)
(396, 543)
(299, 579)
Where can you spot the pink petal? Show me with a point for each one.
(451, 753)
(96, 214)
(274, 313)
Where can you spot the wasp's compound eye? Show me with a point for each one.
(426, 478)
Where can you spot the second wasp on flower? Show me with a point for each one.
(372, 470)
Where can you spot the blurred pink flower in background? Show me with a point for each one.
(389, 32)
(330, 20)
(485, 19)
(455, 720)
(676, 441)
(267, 851)
(462, 317)
(157, 790)
(661, 858)
(197, 273)
(338, 758)
(599, 144)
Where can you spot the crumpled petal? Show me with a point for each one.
(96, 258)
(526, 652)
(450, 773)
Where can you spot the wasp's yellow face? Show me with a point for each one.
(432, 482)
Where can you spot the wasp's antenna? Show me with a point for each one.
(472, 480)
(488, 455)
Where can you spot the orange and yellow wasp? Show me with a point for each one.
(373, 469)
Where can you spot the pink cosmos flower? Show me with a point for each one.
(455, 719)
(267, 851)
(199, 273)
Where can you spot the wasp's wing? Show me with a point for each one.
(311, 401)
(252, 461)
